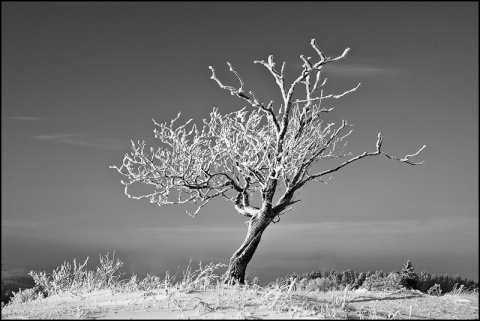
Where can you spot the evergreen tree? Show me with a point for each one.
(409, 277)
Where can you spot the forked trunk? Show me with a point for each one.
(241, 258)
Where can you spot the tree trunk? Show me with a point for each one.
(241, 258)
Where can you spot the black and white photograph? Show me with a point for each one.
(240, 160)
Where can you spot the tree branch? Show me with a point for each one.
(243, 153)
(365, 154)
(341, 95)
(239, 93)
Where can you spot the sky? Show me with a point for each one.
(80, 80)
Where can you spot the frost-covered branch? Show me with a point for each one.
(251, 100)
(406, 159)
(196, 166)
(248, 151)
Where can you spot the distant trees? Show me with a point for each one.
(447, 283)
(266, 150)
(376, 280)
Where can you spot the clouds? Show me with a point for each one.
(14, 272)
(385, 238)
(85, 140)
(402, 226)
(27, 118)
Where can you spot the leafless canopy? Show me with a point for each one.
(253, 150)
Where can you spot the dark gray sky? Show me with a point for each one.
(79, 80)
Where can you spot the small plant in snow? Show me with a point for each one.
(78, 279)
(27, 295)
(435, 290)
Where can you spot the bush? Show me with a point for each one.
(435, 290)
(359, 280)
(23, 296)
(379, 282)
(64, 278)
(320, 284)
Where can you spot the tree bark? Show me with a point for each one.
(241, 258)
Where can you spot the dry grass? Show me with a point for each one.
(73, 292)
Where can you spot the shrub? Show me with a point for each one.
(394, 278)
(359, 280)
(321, 284)
(347, 278)
(66, 278)
(435, 290)
(379, 282)
(23, 296)
(314, 275)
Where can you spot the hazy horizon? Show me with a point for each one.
(80, 80)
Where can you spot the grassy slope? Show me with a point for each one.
(73, 292)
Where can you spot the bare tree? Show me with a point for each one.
(261, 150)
